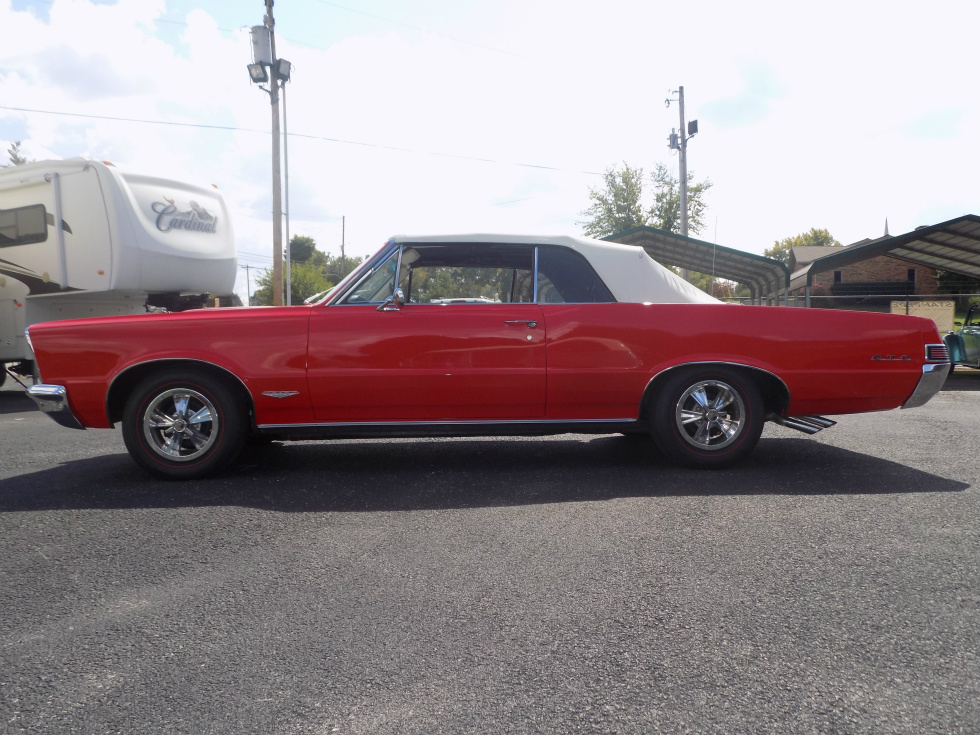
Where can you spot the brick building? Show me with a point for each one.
(877, 275)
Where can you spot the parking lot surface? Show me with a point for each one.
(831, 584)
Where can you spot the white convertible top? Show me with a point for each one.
(630, 274)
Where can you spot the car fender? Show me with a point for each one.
(957, 350)
(774, 390)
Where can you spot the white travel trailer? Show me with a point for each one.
(80, 238)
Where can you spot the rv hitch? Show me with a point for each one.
(174, 302)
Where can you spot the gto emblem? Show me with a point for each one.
(280, 393)
(892, 357)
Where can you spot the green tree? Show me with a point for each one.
(617, 205)
(336, 267)
(16, 159)
(818, 238)
(306, 274)
(306, 280)
(302, 249)
(312, 272)
(665, 214)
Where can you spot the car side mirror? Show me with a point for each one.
(394, 302)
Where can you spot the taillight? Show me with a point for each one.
(937, 353)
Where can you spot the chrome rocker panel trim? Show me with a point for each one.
(931, 382)
(391, 429)
(53, 400)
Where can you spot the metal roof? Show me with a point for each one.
(949, 246)
(764, 276)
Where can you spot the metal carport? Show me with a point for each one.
(764, 276)
(949, 246)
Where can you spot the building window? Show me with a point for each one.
(911, 277)
(838, 276)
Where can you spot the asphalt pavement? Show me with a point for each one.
(569, 584)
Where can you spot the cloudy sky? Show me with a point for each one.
(435, 116)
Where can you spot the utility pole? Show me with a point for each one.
(343, 237)
(285, 165)
(679, 143)
(265, 67)
(682, 156)
(270, 23)
(248, 284)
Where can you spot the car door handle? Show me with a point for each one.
(531, 324)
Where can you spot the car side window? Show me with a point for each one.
(566, 277)
(467, 274)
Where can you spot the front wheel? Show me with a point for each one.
(710, 417)
(183, 426)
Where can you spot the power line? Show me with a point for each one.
(324, 138)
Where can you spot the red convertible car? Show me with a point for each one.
(481, 335)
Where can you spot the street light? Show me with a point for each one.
(281, 69)
(257, 73)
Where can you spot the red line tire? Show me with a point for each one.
(708, 417)
(183, 426)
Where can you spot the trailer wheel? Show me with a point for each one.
(183, 426)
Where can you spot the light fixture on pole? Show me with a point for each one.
(258, 73)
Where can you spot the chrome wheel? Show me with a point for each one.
(710, 415)
(180, 424)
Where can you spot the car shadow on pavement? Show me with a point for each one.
(15, 401)
(963, 379)
(409, 474)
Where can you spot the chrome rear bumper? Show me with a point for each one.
(933, 376)
(53, 400)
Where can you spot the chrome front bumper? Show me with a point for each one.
(53, 400)
(931, 382)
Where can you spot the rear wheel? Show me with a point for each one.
(708, 417)
(183, 426)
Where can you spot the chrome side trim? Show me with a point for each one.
(461, 424)
(931, 382)
(534, 287)
(53, 400)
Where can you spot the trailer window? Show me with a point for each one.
(23, 225)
